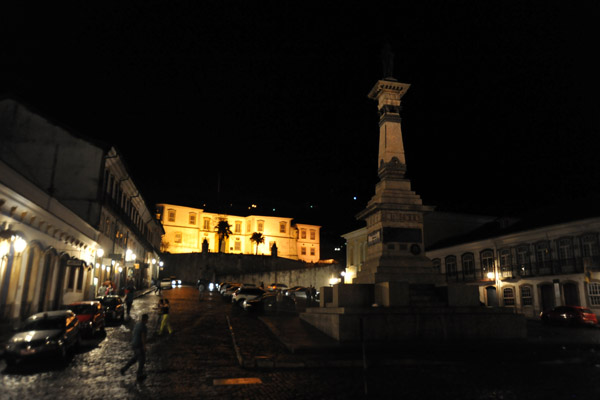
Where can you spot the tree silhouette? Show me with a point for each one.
(223, 230)
(257, 238)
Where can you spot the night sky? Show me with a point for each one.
(229, 103)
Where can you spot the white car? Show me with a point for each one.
(166, 283)
(244, 293)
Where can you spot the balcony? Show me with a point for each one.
(518, 271)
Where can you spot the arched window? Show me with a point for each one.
(468, 264)
(526, 296)
(437, 264)
(508, 295)
(450, 262)
(487, 264)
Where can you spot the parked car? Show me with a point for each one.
(569, 315)
(276, 286)
(225, 285)
(166, 283)
(269, 303)
(114, 308)
(244, 293)
(91, 316)
(49, 333)
(230, 289)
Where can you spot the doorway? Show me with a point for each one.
(571, 294)
(491, 296)
(547, 296)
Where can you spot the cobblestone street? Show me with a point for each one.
(199, 360)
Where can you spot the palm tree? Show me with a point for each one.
(223, 230)
(257, 238)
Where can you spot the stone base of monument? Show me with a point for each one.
(398, 311)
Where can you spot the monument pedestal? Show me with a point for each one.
(398, 294)
(398, 311)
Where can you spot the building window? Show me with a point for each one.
(178, 237)
(302, 233)
(468, 264)
(509, 296)
(313, 234)
(487, 264)
(312, 251)
(282, 227)
(594, 293)
(526, 296)
(237, 246)
(437, 263)
(589, 245)
(192, 218)
(505, 263)
(80, 279)
(542, 257)
(523, 262)
(71, 281)
(451, 266)
(206, 224)
(303, 251)
(260, 226)
(171, 215)
(238, 226)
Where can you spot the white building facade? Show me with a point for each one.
(74, 205)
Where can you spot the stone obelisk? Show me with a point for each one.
(394, 215)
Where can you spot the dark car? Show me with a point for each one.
(114, 308)
(569, 315)
(50, 333)
(91, 316)
(270, 303)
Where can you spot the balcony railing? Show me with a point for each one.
(549, 267)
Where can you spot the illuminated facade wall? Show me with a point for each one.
(187, 228)
(92, 181)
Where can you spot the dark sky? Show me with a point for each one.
(271, 100)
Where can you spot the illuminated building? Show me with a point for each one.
(186, 229)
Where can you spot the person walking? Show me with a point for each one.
(164, 323)
(138, 344)
(129, 298)
(158, 289)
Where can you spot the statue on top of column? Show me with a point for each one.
(387, 58)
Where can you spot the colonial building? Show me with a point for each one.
(61, 176)
(190, 230)
(531, 264)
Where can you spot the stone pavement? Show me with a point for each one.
(218, 351)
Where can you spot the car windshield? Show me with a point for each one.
(82, 309)
(43, 324)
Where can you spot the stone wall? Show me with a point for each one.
(248, 269)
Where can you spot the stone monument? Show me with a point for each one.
(398, 294)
